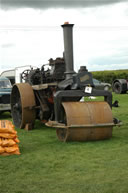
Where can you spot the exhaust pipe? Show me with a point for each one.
(68, 49)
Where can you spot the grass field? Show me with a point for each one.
(47, 165)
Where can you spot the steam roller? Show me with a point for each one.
(53, 95)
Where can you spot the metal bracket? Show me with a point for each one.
(74, 95)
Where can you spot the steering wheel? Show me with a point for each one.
(24, 74)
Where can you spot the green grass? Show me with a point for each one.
(47, 165)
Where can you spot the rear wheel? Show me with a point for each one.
(117, 87)
(22, 105)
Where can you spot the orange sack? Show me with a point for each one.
(7, 135)
(11, 148)
(7, 127)
(8, 139)
(7, 142)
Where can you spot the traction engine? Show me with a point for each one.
(53, 94)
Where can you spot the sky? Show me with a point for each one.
(31, 32)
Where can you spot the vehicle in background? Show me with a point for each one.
(101, 85)
(120, 86)
(5, 93)
(15, 75)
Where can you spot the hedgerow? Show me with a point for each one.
(109, 76)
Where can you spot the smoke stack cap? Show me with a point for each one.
(65, 23)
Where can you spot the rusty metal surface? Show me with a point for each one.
(27, 102)
(86, 121)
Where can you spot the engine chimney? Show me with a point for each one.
(68, 49)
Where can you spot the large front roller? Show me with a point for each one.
(86, 121)
(22, 105)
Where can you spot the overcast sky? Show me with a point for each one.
(31, 33)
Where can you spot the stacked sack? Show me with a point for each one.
(8, 138)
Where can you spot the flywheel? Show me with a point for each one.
(86, 121)
(22, 105)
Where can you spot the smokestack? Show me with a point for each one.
(68, 49)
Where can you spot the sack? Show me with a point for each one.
(11, 148)
(7, 142)
(7, 135)
(11, 153)
(7, 127)
(8, 139)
